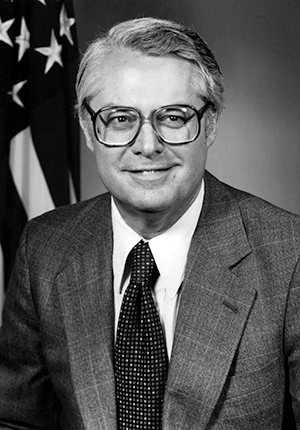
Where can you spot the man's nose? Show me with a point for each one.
(147, 142)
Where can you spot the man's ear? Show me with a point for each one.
(212, 123)
(88, 134)
(89, 142)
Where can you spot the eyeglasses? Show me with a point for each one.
(121, 125)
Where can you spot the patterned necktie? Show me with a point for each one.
(141, 361)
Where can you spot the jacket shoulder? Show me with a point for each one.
(63, 234)
(263, 221)
(73, 214)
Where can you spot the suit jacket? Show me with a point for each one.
(235, 362)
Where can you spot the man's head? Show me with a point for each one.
(156, 37)
(149, 97)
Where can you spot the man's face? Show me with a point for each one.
(149, 176)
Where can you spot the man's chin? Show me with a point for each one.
(150, 204)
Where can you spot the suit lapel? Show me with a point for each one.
(88, 312)
(213, 311)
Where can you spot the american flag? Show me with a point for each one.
(39, 135)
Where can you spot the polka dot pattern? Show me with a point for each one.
(141, 360)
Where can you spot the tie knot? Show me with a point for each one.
(143, 264)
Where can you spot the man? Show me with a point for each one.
(227, 278)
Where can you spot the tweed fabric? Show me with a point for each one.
(140, 352)
(235, 360)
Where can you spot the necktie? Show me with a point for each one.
(140, 353)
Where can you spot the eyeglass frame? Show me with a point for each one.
(199, 112)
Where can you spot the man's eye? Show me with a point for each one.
(172, 120)
(120, 121)
(175, 118)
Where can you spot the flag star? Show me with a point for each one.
(23, 39)
(53, 52)
(65, 24)
(4, 27)
(15, 93)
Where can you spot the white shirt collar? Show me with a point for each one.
(169, 249)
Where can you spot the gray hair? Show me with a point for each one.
(157, 37)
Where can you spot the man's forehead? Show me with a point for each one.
(144, 80)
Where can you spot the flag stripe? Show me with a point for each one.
(28, 175)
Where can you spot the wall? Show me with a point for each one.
(257, 46)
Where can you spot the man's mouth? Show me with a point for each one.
(151, 172)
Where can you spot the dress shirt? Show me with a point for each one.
(169, 250)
